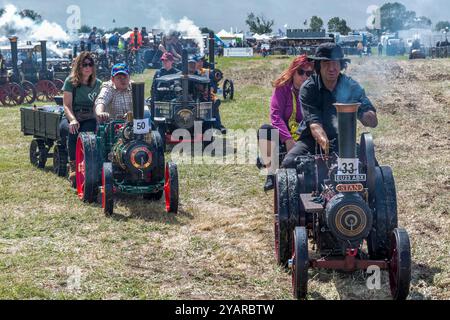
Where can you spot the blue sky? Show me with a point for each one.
(221, 14)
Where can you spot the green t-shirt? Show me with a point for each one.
(84, 98)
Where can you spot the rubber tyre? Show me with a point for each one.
(107, 189)
(384, 214)
(283, 246)
(60, 161)
(300, 263)
(400, 264)
(38, 153)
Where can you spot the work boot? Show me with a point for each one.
(72, 173)
(222, 129)
(270, 182)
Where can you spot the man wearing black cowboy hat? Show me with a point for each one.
(317, 95)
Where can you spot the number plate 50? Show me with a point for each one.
(141, 126)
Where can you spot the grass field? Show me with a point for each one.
(220, 244)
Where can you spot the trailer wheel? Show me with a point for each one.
(171, 187)
(87, 170)
(400, 264)
(38, 153)
(384, 213)
(107, 189)
(281, 224)
(60, 161)
(300, 263)
(228, 89)
(29, 92)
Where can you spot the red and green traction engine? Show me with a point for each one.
(125, 156)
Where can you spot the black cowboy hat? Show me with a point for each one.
(329, 51)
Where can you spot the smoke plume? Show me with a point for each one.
(186, 27)
(11, 23)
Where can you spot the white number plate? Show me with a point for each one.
(348, 166)
(141, 126)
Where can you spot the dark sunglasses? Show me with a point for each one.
(85, 65)
(302, 72)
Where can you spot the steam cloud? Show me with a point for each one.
(184, 26)
(11, 23)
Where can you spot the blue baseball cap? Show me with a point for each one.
(119, 68)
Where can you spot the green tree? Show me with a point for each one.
(395, 17)
(316, 23)
(259, 24)
(441, 25)
(33, 15)
(85, 29)
(206, 30)
(338, 25)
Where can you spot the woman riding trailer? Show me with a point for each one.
(80, 91)
(285, 115)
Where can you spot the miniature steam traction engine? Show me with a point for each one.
(347, 206)
(125, 156)
(177, 103)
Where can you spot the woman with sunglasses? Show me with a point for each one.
(80, 91)
(285, 116)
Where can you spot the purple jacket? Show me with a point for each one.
(281, 110)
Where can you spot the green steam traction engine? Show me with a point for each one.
(125, 156)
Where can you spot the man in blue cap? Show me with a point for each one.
(115, 98)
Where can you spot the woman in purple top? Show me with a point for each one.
(285, 115)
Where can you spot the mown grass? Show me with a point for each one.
(220, 245)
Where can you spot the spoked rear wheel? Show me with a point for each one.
(400, 264)
(171, 187)
(300, 263)
(29, 92)
(13, 94)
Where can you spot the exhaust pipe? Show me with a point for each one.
(14, 58)
(185, 78)
(44, 57)
(138, 95)
(211, 51)
(346, 114)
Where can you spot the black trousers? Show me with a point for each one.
(71, 143)
(216, 113)
(301, 148)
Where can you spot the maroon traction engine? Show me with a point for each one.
(347, 205)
